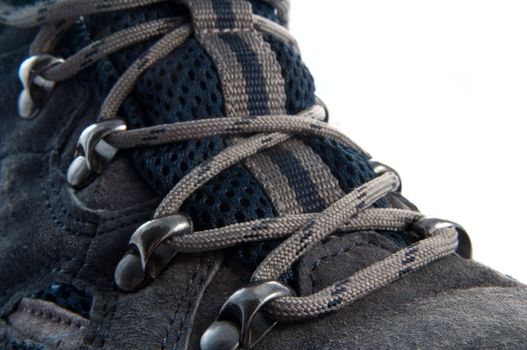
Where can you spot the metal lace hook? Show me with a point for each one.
(93, 153)
(147, 254)
(396, 199)
(381, 169)
(36, 89)
(324, 106)
(426, 227)
(241, 323)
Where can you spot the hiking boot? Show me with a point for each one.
(169, 181)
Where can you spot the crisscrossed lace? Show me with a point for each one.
(300, 232)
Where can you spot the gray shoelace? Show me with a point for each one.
(301, 232)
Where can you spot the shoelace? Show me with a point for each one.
(301, 232)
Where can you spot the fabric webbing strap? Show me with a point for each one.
(293, 176)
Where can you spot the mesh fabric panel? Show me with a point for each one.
(68, 297)
(15, 344)
(185, 86)
(348, 165)
(299, 83)
(264, 9)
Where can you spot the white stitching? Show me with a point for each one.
(54, 318)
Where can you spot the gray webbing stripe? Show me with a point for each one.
(327, 185)
(236, 100)
(253, 84)
(276, 184)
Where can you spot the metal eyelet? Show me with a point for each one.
(426, 227)
(37, 90)
(381, 169)
(322, 104)
(396, 199)
(240, 324)
(93, 153)
(147, 254)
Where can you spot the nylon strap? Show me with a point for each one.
(292, 175)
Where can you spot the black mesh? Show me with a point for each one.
(229, 198)
(349, 166)
(68, 297)
(183, 86)
(15, 344)
(299, 83)
(264, 9)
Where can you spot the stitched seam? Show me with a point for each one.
(54, 218)
(174, 315)
(110, 307)
(63, 205)
(54, 318)
(318, 262)
(204, 278)
(37, 278)
(123, 221)
(227, 30)
(52, 165)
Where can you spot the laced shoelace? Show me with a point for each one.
(299, 232)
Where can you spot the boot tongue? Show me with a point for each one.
(187, 85)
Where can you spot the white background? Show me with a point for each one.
(438, 90)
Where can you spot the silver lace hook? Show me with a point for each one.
(93, 153)
(36, 89)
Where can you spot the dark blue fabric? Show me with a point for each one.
(306, 192)
(225, 18)
(68, 297)
(264, 9)
(299, 83)
(258, 101)
(22, 345)
(348, 165)
(229, 198)
(20, 2)
(183, 86)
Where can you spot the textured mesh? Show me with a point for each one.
(185, 86)
(182, 87)
(264, 9)
(20, 2)
(68, 297)
(229, 198)
(348, 166)
(299, 83)
(15, 344)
